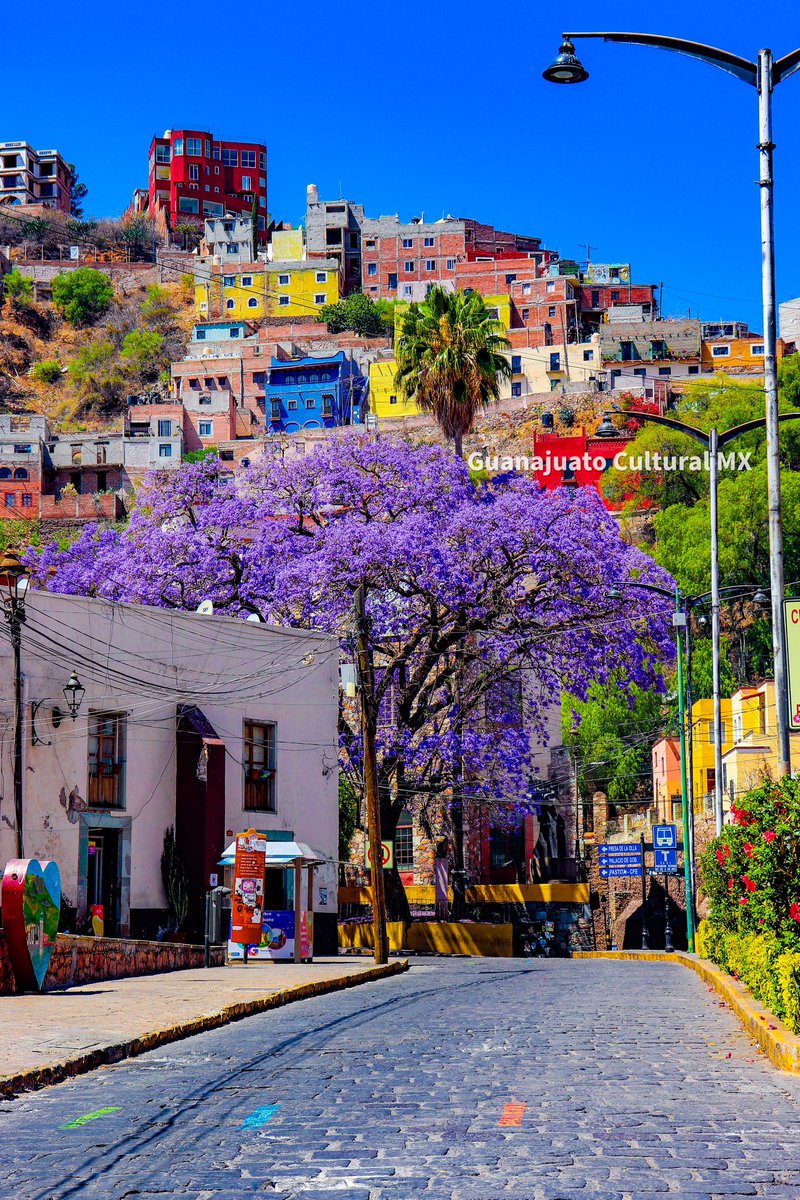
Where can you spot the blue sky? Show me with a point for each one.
(441, 108)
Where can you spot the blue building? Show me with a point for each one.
(219, 331)
(314, 393)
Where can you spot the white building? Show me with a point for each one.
(208, 723)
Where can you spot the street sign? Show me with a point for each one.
(619, 872)
(620, 848)
(791, 617)
(620, 860)
(665, 836)
(387, 855)
(665, 860)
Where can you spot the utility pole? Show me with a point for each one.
(588, 247)
(369, 721)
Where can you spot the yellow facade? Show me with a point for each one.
(384, 400)
(287, 245)
(703, 746)
(753, 756)
(736, 356)
(284, 289)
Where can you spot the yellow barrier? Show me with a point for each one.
(485, 893)
(436, 937)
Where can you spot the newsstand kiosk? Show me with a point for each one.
(269, 919)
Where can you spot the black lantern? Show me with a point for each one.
(74, 691)
(13, 584)
(566, 67)
(606, 428)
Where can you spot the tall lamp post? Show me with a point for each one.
(763, 75)
(713, 442)
(13, 589)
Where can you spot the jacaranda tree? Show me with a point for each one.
(466, 586)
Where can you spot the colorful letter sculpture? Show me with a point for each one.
(31, 907)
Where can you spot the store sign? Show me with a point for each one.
(791, 616)
(247, 901)
(31, 898)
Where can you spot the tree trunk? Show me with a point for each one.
(396, 900)
(459, 443)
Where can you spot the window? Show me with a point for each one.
(229, 281)
(510, 278)
(262, 183)
(216, 169)
(614, 297)
(392, 284)
(550, 286)
(216, 155)
(428, 241)
(284, 301)
(107, 760)
(206, 429)
(27, 500)
(720, 351)
(102, 481)
(188, 204)
(555, 361)
(248, 159)
(408, 243)
(408, 266)
(284, 280)
(234, 333)
(757, 350)
(322, 276)
(516, 363)
(408, 289)
(230, 304)
(165, 450)
(694, 370)
(247, 182)
(212, 209)
(262, 160)
(596, 298)
(165, 428)
(163, 154)
(208, 149)
(516, 389)
(665, 370)
(311, 404)
(327, 405)
(320, 298)
(232, 248)
(372, 268)
(252, 302)
(291, 406)
(194, 147)
(194, 172)
(737, 727)
(551, 310)
(404, 842)
(526, 312)
(178, 147)
(11, 499)
(275, 410)
(230, 158)
(247, 281)
(450, 263)
(588, 356)
(20, 473)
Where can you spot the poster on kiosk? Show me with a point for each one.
(247, 903)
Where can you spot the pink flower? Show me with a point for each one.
(749, 883)
(748, 849)
(761, 920)
(730, 884)
(794, 911)
(743, 900)
(769, 835)
(720, 857)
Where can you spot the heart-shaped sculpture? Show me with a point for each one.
(31, 899)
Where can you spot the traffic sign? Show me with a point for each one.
(619, 872)
(387, 855)
(665, 860)
(620, 860)
(665, 836)
(620, 848)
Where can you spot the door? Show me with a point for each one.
(102, 877)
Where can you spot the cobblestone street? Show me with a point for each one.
(460, 1080)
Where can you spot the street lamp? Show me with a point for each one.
(74, 691)
(763, 75)
(713, 441)
(13, 590)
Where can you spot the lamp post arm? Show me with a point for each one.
(748, 426)
(785, 66)
(742, 68)
(679, 426)
(650, 587)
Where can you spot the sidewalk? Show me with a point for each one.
(45, 1038)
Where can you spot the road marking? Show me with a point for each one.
(92, 1116)
(512, 1114)
(260, 1116)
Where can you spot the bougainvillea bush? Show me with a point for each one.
(751, 876)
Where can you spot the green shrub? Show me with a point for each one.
(18, 287)
(82, 296)
(48, 371)
(787, 972)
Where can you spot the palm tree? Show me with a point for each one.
(450, 359)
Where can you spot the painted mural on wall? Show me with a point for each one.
(31, 902)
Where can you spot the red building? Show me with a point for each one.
(193, 175)
(576, 460)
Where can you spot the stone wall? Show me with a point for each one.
(78, 960)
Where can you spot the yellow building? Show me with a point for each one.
(736, 355)
(384, 400)
(249, 291)
(703, 747)
(753, 756)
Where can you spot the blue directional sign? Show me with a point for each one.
(619, 872)
(665, 837)
(620, 860)
(608, 848)
(665, 861)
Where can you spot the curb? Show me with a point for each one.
(772, 1036)
(37, 1077)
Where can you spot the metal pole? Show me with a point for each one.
(715, 639)
(366, 676)
(645, 929)
(207, 940)
(680, 620)
(766, 184)
(668, 946)
(690, 756)
(16, 640)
